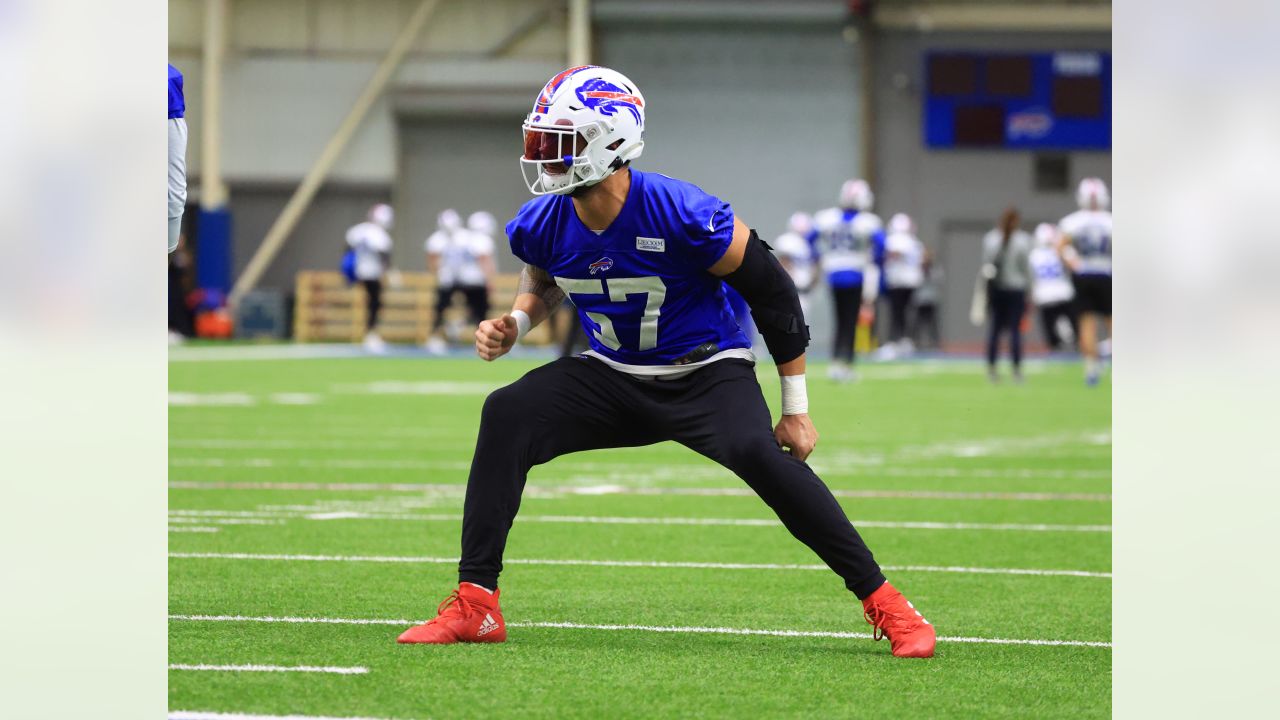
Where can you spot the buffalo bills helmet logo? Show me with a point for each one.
(548, 92)
(602, 265)
(606, 98)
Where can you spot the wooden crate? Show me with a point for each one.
(329, 309)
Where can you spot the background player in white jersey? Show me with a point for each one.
(461, 258)
(849, 240)
(372, 246)
(796, 256)
(903, 275)
(1085, 247)
(1051, 290)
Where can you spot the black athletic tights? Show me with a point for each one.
(374, 288)
(579, 403)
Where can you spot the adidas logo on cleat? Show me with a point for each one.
(487, 626)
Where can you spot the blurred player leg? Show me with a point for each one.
(177, 178)
(436, 344)
(372, 341)
(993, 338)
(477, 303)
(1017, 309)
(1049, 315)
(846, 302)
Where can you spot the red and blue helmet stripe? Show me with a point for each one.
(544, 98)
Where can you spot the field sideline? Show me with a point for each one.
(315, 507)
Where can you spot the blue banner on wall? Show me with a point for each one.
(1015, 101)
(213, 250)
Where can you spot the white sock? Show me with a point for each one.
(1090, 366)
(479, 586)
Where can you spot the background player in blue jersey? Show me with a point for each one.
(849, 242)
(644, 259)
(177, 156)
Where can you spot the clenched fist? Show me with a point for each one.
(796, 434)
(495, 337)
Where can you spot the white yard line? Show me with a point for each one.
(629, 564)
(592, 490)
(222, 520)
(612, 520)
(208, 715)
(273, 668)
(428, 387)
(643, 628)
(265, 352)
(192, 529)
(826, 465)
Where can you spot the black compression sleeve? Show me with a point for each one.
(775, 305)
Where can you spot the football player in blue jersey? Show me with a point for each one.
(644, 258)
(849, 243)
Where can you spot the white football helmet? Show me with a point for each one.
(800, 223)
(856, 194)
(382, 215)
(1092, 194)
(901, 223)
(482, 222)
(587, 122)
(1046, 234)
(449, 220)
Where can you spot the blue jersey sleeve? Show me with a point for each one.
(708, 224)
(177, 102)
(522, 232)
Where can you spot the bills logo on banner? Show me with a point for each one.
(602, 265)
(607, 98)
(1030, 124)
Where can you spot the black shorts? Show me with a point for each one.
(1093, 294)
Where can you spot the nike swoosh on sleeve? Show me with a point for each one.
(711, 221)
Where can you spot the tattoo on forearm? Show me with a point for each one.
(536, 281)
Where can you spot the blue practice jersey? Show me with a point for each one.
(177, 103)
(641, 287)
(847, 243)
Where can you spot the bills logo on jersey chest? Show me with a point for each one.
(604, 264)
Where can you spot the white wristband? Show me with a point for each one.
(795, 397)
(523, 323)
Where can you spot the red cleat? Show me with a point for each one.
(470, 614)
(910, 635)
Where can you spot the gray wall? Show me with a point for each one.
(764, 115)
(954, 195)
(320, 237)
(467, 164)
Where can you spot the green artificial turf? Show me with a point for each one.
(367, 458)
